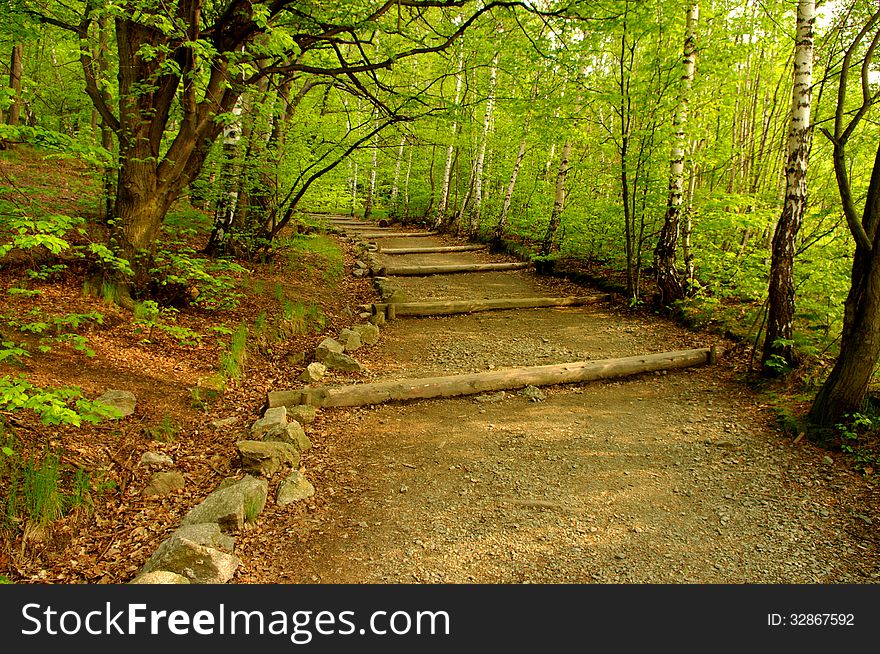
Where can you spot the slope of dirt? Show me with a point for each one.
(661, 478)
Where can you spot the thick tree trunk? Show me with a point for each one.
(846, 387)
(669, 285)
(558, 202)
(15, 72)
(777, 344)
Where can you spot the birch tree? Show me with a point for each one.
(669, 284)
(778, 349)
(558, 201)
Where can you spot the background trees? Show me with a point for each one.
(550, 124)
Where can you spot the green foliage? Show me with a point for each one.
(54, 406)
(234, 356)
(57, 143)
(150, 315)
(859, 436)
(214, 280)
(300, 319)
(165, 432)
(54, 329)
(18, 230)
(314, 252)
(39, 490)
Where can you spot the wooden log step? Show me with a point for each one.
(437, 249)
(449, 307)
(395, 234)
(496, 380)
(443, 269)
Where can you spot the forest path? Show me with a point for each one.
(661, 478)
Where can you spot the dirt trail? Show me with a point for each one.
(662, 478)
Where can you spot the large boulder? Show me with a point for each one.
(267, 458)
(207, 534)
(272, 418)
(350, 340)
(327, 347)
(368, 332)
(198, 563)
(294, 488)
(123, 402)
(234, 502)
(337, 361)
(304, 414)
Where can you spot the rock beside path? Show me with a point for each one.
(267, 458)
(231, 504)
(294, 488)
(123, 402)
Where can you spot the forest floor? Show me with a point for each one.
(660, 478)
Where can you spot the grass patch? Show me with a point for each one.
(315, 252)
(234, 356)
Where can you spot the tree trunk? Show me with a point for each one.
(508, 197)
(559, 200)
(409, 159)
(777, 343)
(669, 285)
(15, 70)
(846, 387)
(395, 187)
(477, 204)
(374, 164)
(440, 217)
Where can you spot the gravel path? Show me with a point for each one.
(661, 478)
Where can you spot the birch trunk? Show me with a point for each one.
(395, 186)
(440, 217)
(559, 200)
(669, 284)
(508, 197)
(477, 206)
(781, 292)
(374, 164)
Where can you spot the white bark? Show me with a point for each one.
(474, 216)
(450, 150)
(511, 186)
(395, 186)
(558, 200)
